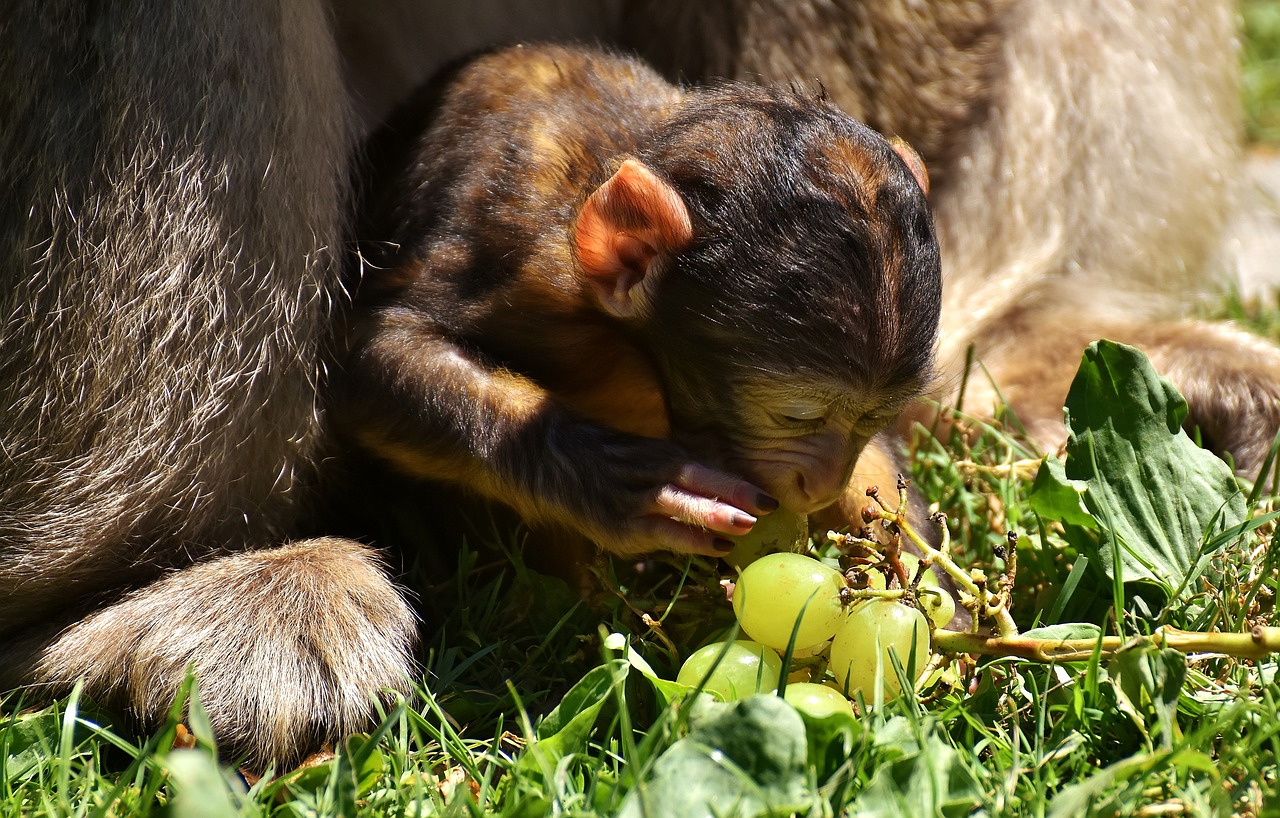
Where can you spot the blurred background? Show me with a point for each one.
(1259, 234)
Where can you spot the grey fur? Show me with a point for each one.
(175, 192)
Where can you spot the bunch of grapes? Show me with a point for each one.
(838, 628)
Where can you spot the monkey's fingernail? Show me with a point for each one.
(721, 544)
(766, 503)
(743, 520)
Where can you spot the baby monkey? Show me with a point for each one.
(644, 314)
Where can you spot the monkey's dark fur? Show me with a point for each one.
(810, 259)
(175, 185)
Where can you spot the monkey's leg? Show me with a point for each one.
(289, 645)
(1230, 378)
(175, 193)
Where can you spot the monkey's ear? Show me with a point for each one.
(914, 163)
(629, 221)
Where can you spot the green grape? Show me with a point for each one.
(854, 659)
(940, 607)
(778, 531)
(815, 699)
(772, 591)
(747, 668)
(936, 603)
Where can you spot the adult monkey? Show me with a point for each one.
(175, 191)
(175, 188)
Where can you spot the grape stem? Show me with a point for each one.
(895, 594)
(975, 596)
(984, 605)
(1256, 644)
(1025, 469)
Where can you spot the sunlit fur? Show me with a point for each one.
(289, 646)
(172, 205)
(175, 197)
(1084, 156)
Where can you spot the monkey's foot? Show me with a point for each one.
(290, 647)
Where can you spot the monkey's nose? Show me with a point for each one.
(815, 491)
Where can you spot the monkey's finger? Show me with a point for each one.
(704, 512)
(672, 535)
(708, 482)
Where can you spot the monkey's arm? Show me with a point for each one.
(436, 410)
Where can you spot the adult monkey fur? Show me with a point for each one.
(175, 189)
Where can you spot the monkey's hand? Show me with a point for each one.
(440, 411)
(632, 494)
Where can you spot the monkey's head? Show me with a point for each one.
(777, 260)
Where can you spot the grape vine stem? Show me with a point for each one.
(1256, 644)
(975, 596)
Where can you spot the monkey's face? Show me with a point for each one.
(798, 437)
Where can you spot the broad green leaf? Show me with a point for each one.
(745, 759)
(28, 741)
(831, 740)
(1148, 484)
(666, 690)
(1054, 496)
(584, 698)
(1149, 683)
(566, 728)
(926, 777)
(367, 762)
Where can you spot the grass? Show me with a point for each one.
(1260, 76)
(516, 661)
(1149, 733)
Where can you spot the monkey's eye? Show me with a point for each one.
(803, 413)
(870, 424)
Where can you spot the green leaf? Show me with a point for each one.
(831, 739)
(667, 691)
(28, 741)
(584, 698)
(1054, 496)
(745, 759)
(927, 777)
(566, 729)
(367, 762)
(201, 790)
(1151, 488)
(1149, 682)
